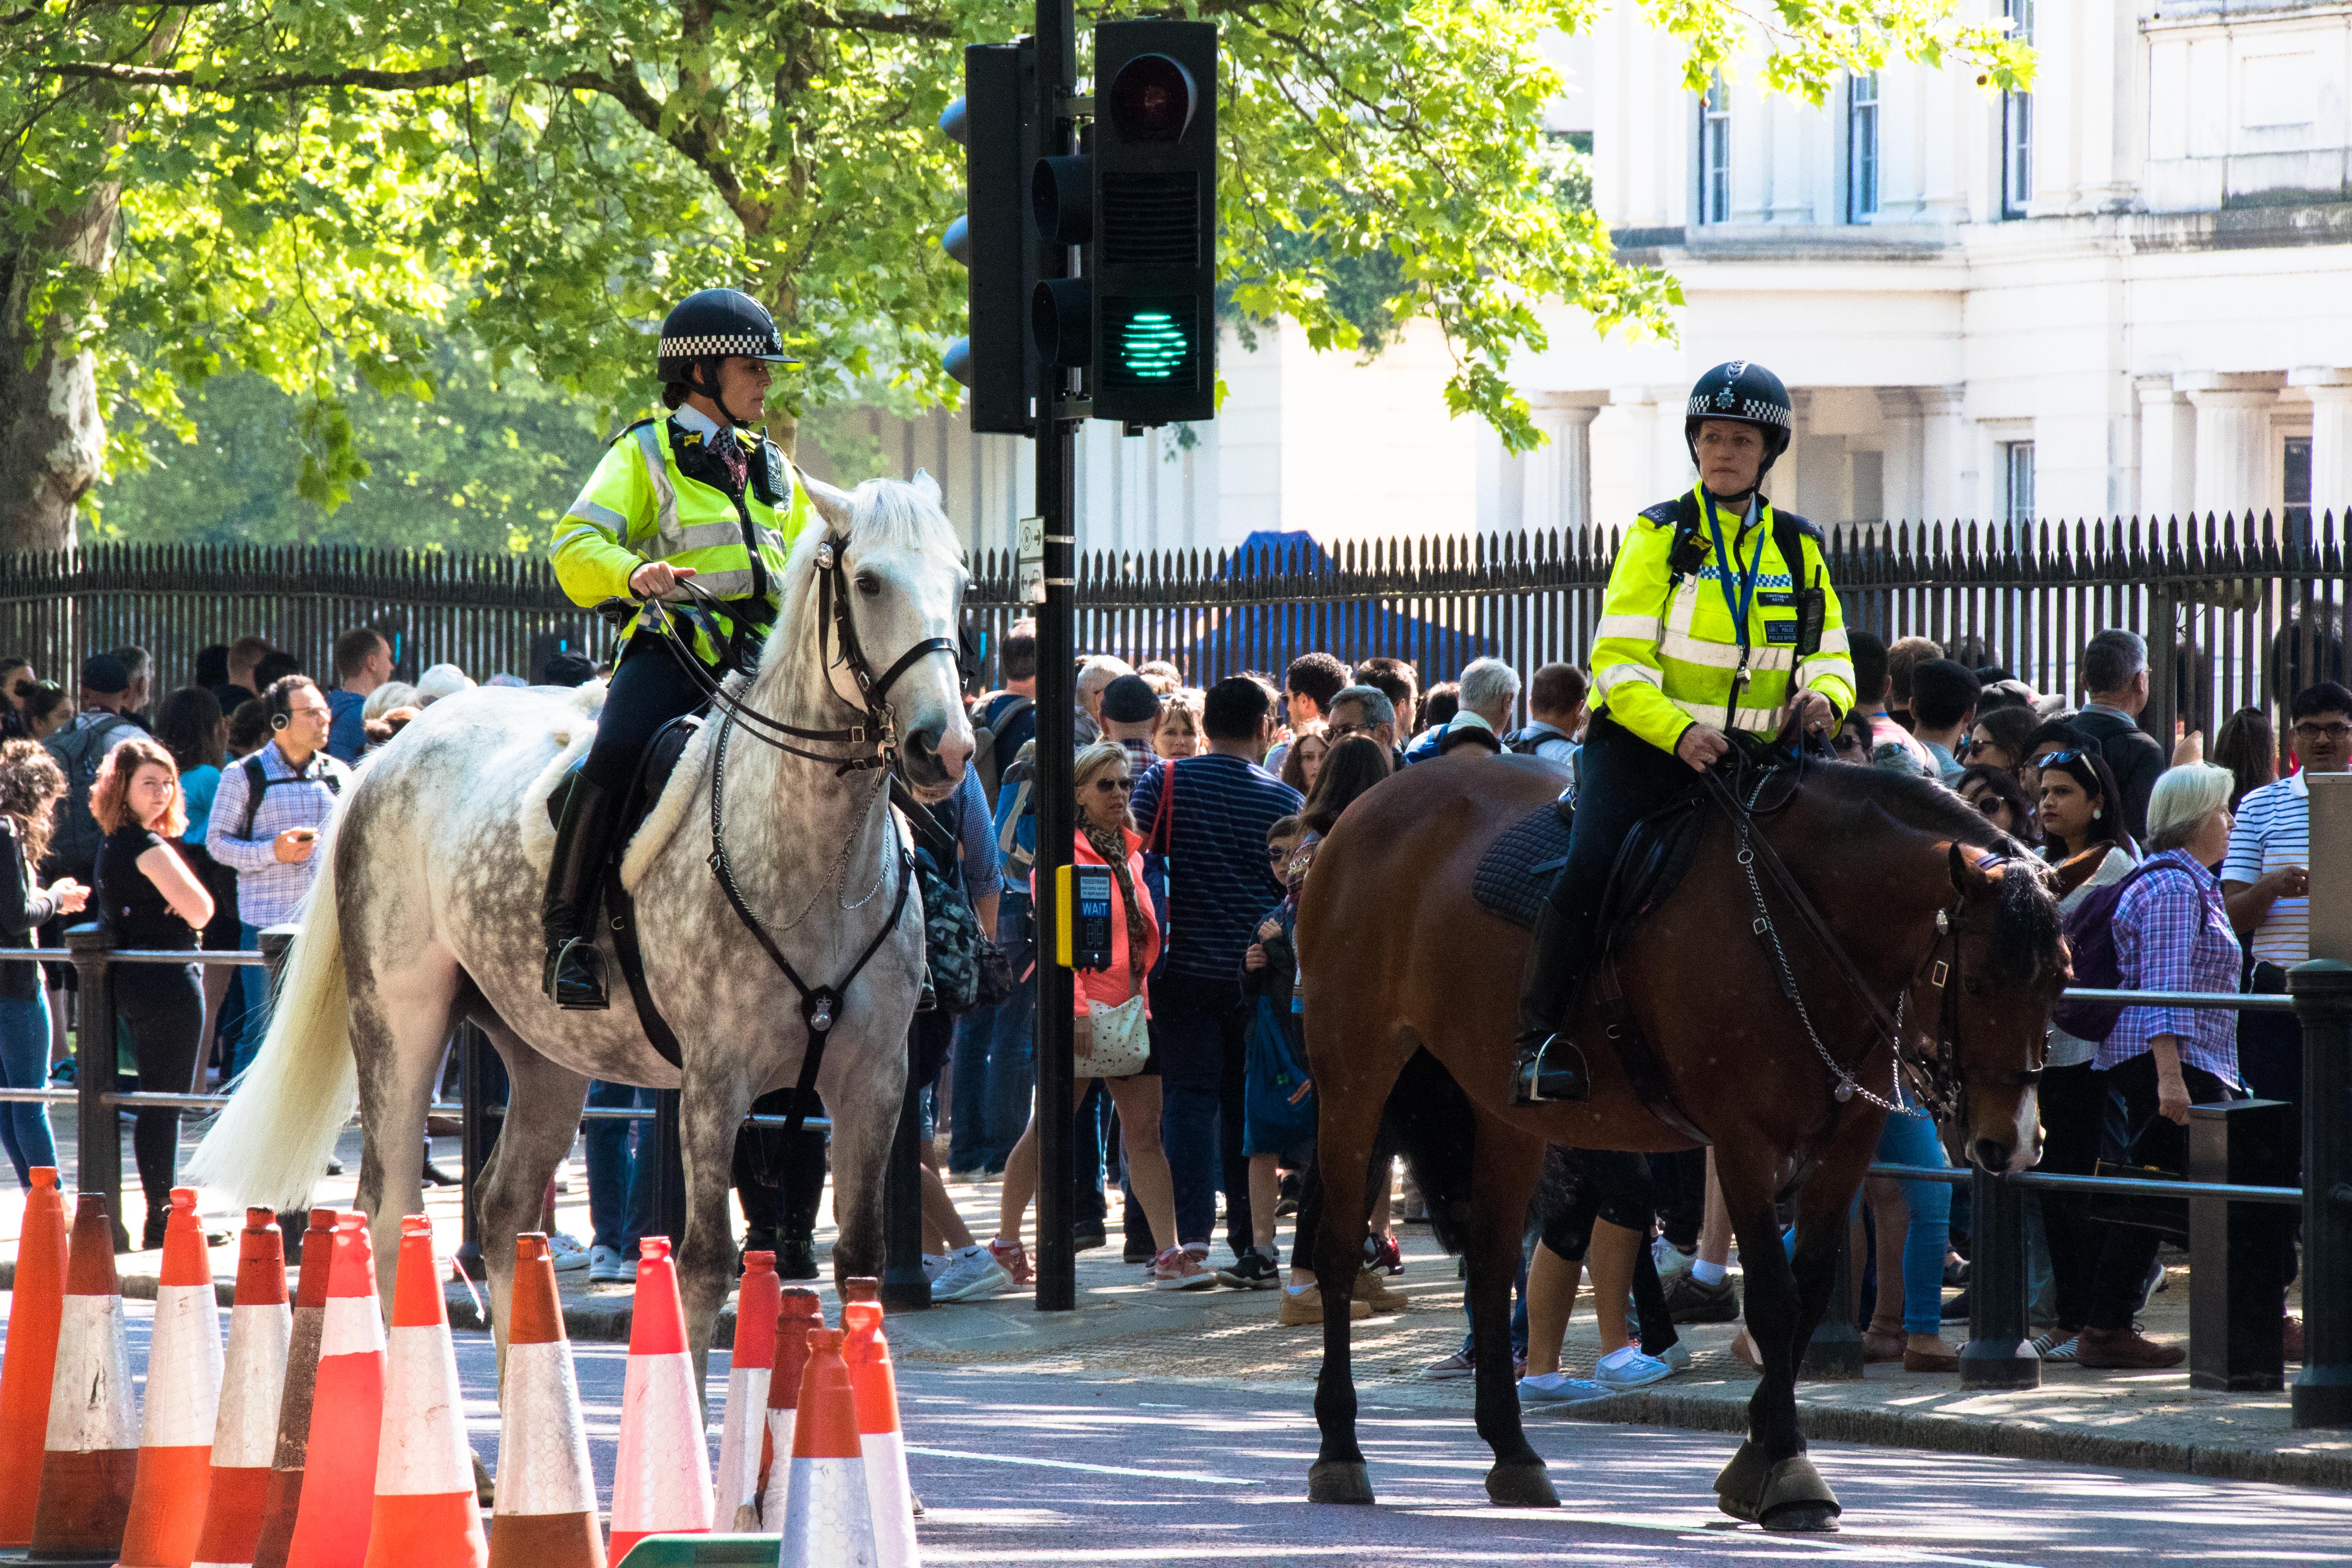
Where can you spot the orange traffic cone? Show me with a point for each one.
(338, 1466)
(184, 1385)
(30, 1362)
(661, 1482)
(260, 1327)
(879, 1438)
(283, 1503)
(800, 1313)
(828, 1517)
(92, 1453)
(546, 1515)
(426, 1514)
(758, 1300)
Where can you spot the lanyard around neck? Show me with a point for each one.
(1738, 593)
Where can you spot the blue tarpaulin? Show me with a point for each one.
(1263, 637)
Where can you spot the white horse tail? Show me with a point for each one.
(272, 1141)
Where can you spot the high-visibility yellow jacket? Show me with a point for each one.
(1668, 653)
(637, 507)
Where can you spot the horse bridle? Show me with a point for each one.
(1935, 1075)
(836, 627)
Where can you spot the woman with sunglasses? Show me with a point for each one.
(2081, 815)
(1994, 791)
(1103, 776)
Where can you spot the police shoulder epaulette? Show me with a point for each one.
(1805, 525)
(629, 430)
(1664, 514)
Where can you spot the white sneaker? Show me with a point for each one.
(1176, 1268)
(1627, 1367)
(932, 1263)
(1458, 1365)
(567, 1252)
(1558, 1388)
(607, 1267)
(1671, 1259)
(1676, 1356)
(972, 1274)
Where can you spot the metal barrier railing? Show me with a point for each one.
(97, 1100)
(2235, 1239)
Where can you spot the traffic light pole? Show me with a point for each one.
(1058, 1261)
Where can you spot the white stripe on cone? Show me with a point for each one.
(183, 1370)
(779, 1466)
(738, 1440)
(354, 1326)
(422, 1452)
(664, 1484)
(91, 1407)
(542, 1438)
(894, 1498)
(253, 1381)
(831, 1521)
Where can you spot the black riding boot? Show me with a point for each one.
(1550, 1066)
(574, 977)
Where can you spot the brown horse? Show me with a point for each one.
(1931, 923)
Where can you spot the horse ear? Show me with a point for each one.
(1971, 875)
(833, 505)
(927, 487)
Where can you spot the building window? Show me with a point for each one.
(2017, 123)
(2294, 468)
(1715, 153)
(1862, 148)
(2017, 480)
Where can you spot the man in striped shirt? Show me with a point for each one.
(1220, 885)
(2267, 881)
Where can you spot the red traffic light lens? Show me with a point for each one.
(1153, 99)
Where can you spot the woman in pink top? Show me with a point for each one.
(1104, 779)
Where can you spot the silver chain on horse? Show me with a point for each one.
(1845, 1087)
(726, 870)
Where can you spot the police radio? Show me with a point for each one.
(1083, 941)
(1812, 611)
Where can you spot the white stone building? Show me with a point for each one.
(2129, 291)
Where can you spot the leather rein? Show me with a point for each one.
(1934, 1075)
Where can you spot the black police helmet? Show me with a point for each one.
(1746, 393)
(716, 325)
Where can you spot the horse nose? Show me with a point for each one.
(933, 755)
(1991, 1155)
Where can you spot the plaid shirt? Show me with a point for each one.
(2172, 933)
(266, 888)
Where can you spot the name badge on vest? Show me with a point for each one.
(1782, 632)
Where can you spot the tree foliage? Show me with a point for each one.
(320, 191)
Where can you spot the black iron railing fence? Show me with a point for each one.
(2236, 610)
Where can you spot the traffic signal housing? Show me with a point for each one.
(996, 122)
(1153, 262)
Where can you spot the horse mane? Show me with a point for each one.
(902, 512)
(2026, 947)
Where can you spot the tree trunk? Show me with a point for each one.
(52, 436)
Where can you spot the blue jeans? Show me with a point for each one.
(253, 985)
(1199, 1037)
(1012, 1045)
(1911, 1141)
(971, 1144)
(620, 1207)
(25, 1064)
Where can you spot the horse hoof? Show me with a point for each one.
(1339, 1480)
(1521, 1486)
(1742, 1482)
(1802, 1519)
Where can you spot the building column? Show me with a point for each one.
(2331, 438)
(2167, 449)
(1904, 472)
(2234, 437)
(1948, 476)
(1558, 479)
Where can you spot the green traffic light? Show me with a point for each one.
(1152, 345)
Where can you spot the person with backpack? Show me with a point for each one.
(2115, 679)
(2171, 932)
(1007, 720)
(1554, 716)
(80, 750)
(267, 812)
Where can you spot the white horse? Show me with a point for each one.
(426, 911)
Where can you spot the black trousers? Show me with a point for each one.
(1620, 779)
(649, 688)
(2073, 1102)
(1579, 1187)
(1681, 1181)
(2126, 1250)
(163, 1003)
(779, 1182)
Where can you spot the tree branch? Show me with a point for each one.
(876, 22)
(282, 82)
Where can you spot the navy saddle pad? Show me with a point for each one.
(1518, 868)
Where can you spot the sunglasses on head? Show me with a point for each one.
(2060, 759)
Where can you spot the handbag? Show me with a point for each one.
(953, 944)
(1277, 1095)
(1117, 1040)
(2157, 1152)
